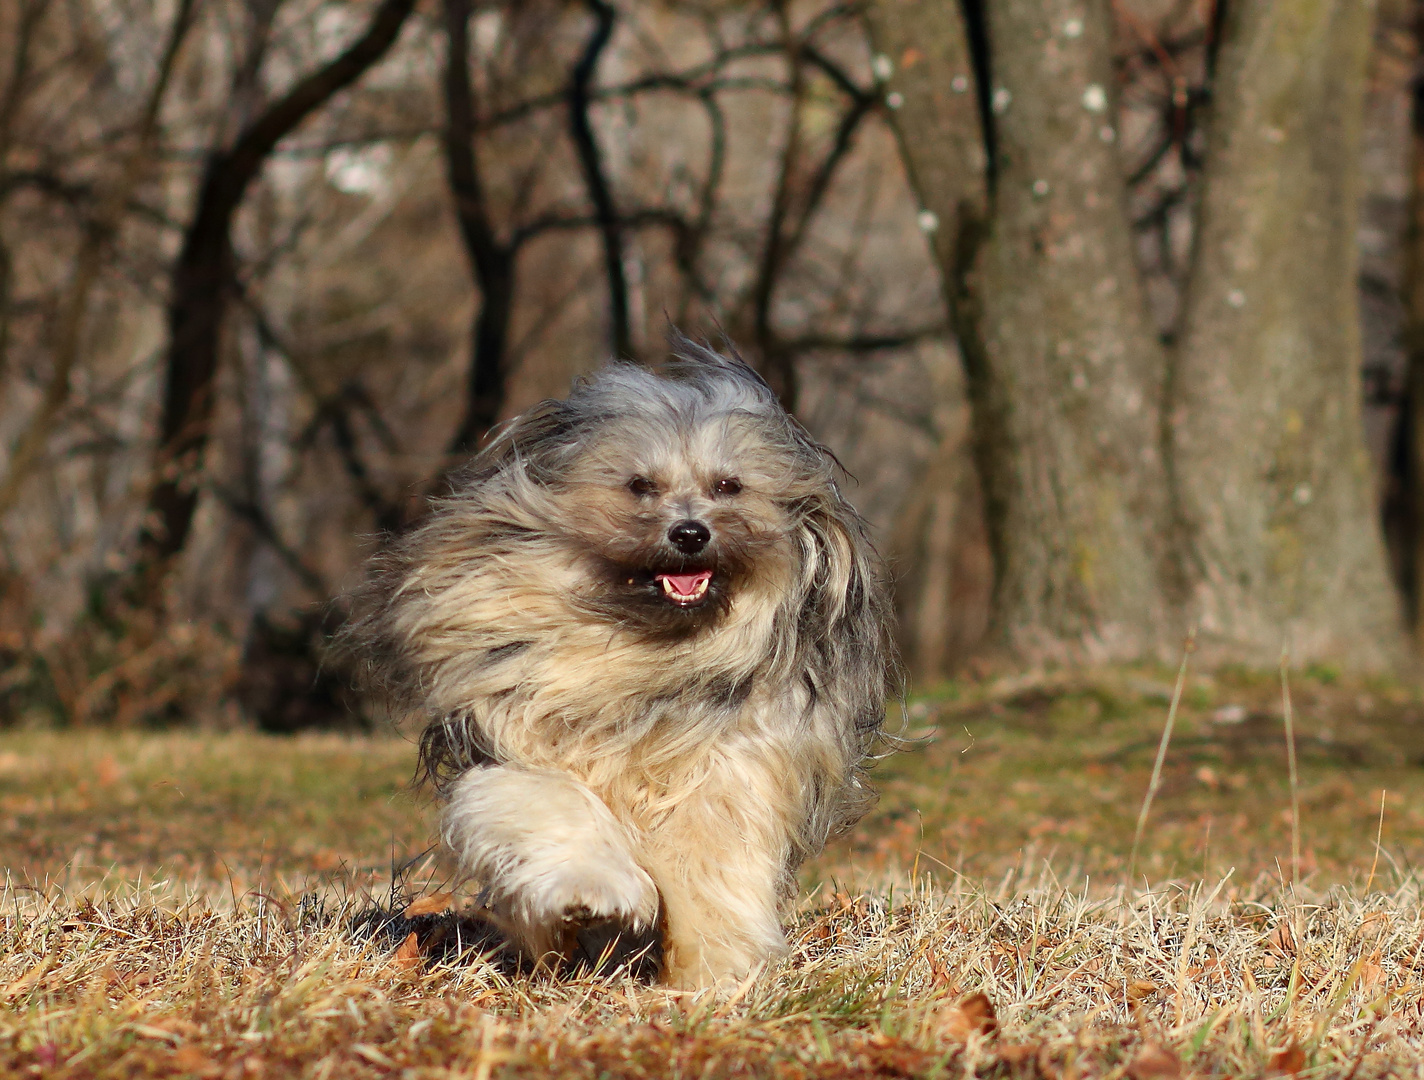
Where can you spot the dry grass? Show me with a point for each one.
(180, 905)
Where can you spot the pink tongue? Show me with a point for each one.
(686, 584)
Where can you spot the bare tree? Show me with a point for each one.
(203, 281)
(99, 234)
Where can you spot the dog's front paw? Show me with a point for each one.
(573, 889)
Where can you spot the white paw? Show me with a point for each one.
(578, 888)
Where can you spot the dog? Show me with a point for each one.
(650, 640)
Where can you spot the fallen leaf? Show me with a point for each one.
(1375, 924)
(1017, 1053)
(1289, 1061)
(1371, 973)
(943, 977)
(1141, 988)
(1153, 1061)
(408, 955)
(25, 982)
(433, 904)
(1281, 940)
(973, 1015)
(190, 1061)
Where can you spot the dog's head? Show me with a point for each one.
(684, 508)
(674, 493)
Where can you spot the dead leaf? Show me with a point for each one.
(433, 904)
(1017, 1053)
(1212, 970)
(1153, 1061)
(1371, 973)
(190, 1061)
(25, 982)
(1141, 988)
(408, 955)
(1281, 940)
(1375, 924)
(973, 1015)
(1289, 1061)
(943, 978)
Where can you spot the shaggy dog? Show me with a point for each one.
(650, 640)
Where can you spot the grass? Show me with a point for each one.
(179, 905)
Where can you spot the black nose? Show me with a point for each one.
(689, 537)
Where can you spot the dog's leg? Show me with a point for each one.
(718, 859)
(558, 866)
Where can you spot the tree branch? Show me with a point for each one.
(98, 235)
(591, 164)
(491, 262)
(203, 281)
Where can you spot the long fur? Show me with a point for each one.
(589, 735)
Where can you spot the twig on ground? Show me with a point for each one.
(1290, 760)
(1187, 648)
(1379, 834)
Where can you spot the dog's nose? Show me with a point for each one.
(689, 537)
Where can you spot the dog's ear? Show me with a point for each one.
(846, 640)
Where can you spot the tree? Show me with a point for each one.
(99, 235)
(1272, 483)
(1134, 486)
(203, 279)
(1410, 442)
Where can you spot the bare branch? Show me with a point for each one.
(203, 280)
(777, 365)
(591, 164)
(491, 262)
(255, 515)
(98, 235)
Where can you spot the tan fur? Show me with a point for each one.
(591, 735)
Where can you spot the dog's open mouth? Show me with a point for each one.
(685, 589)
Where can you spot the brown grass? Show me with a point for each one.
(180, 905)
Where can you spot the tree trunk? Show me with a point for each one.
(1280, 538)
(492, 262)
(1068, 390)
(595, 178)
(924, 53)
(1409, 438)
(1064, 370)
(202, 284)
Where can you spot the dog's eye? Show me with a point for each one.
(641, 486)
(728, 486)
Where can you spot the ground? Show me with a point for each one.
(181, 904)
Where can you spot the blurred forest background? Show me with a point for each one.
(1110, 308)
